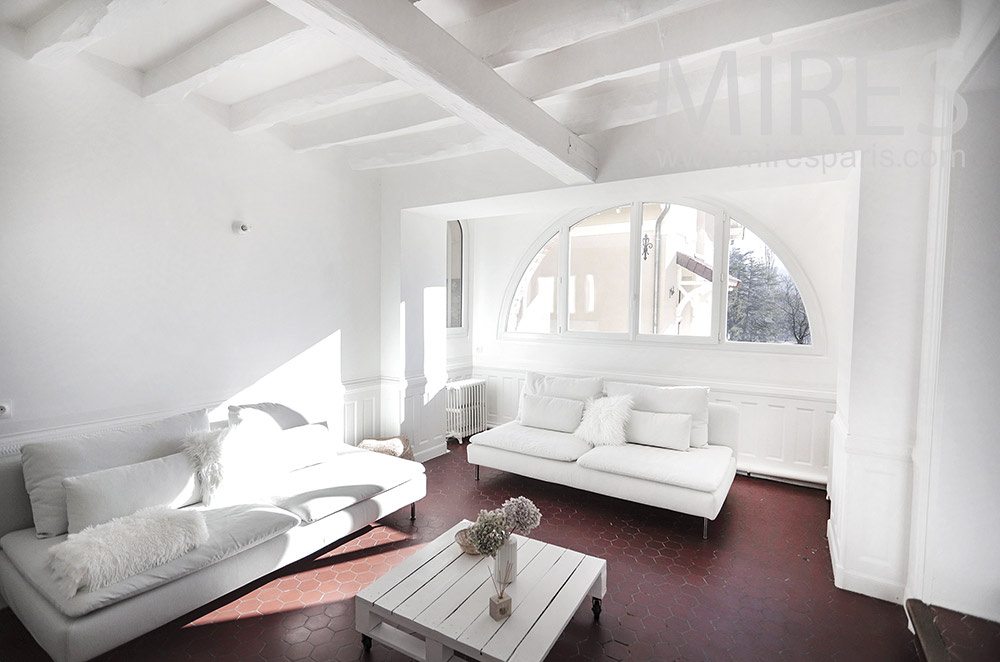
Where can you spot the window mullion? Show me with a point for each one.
(634, 275)
(562, 296)
(721, 275)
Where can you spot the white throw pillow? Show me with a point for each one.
(101, 496)
(575, 388)
(47, 463)
(604, 421)
(304, 446)
(284, 416)
(691, 400)
(236, 464)
(542, 411)
(649, 428)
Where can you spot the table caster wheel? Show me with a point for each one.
(596, 608)
(366, 641)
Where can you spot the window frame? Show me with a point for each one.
(716, 339)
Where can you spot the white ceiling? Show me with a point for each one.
(591, 65)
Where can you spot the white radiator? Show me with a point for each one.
(465, 408)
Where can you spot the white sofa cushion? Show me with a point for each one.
(47, 463)
(320, 490)
(701, 469)
(575, 388)
(131, 545)
(604, 420)
(649, 428)
(550, 413)
(536, 442)
(671, 400)
(101, 496)
(230, 531)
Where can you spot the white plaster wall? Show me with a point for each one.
(962, 530)
(124, 291)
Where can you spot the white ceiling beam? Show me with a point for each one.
(629, 53)
(437, 145)
(504, 35)
(642, 98)
(351, 80)
(705, 30)
(73, 26)
(250, 39)
(402, 41)
(528, 28)
(412, 114)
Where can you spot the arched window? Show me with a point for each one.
(658, 271)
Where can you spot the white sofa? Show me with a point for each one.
(305, 510)
(695, 482)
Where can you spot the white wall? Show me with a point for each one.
(962, 531)
(124, 291)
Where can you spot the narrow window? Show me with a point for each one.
(598, 272)
(764, 304)
(453, 276)
(676, 270)
(533, 308)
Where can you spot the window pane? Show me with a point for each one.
(533, 309)
(676, 270)
(598, 272)
(764, 304)
(454, 275)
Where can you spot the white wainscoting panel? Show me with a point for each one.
(423, 420)
(781, 434)
(362, 410)
(868, 541)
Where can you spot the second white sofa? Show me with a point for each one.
(694, 481)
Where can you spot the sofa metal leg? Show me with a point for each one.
(477, 472)
(704, 528)
(413, 511)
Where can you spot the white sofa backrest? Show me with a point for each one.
(15, 514)
(724, 425)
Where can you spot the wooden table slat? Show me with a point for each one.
(517, 625)
(406, 588)
(550, 625)
(529, 575)
(387, 582)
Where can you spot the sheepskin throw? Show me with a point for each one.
(108, 553)
(204, 450)
(398, 446)
(604, 420)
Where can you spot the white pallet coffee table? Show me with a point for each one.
(436, 602)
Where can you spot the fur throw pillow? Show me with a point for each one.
(204, 450)
(604, 420)
(107, 553)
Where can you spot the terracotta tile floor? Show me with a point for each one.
(760, 588)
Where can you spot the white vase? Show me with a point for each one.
(507, 554)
